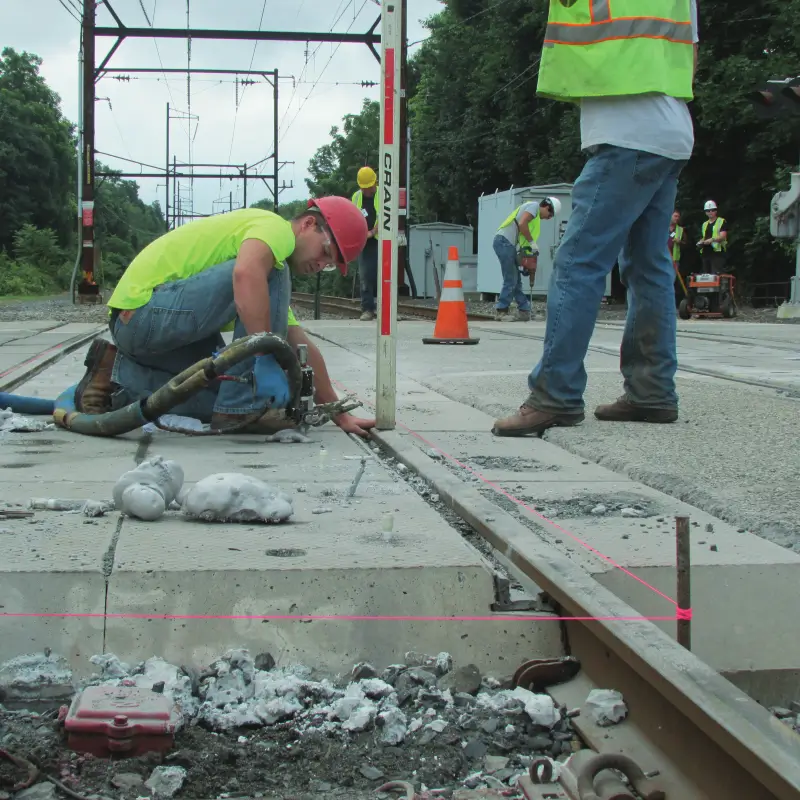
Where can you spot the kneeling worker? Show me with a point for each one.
(220, 273)
(518, 234)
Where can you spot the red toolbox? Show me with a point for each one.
(121, 721)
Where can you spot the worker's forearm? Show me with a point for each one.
(251, 296)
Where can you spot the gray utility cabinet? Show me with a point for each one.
(494, 208)
(429, 243)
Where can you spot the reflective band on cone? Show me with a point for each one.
(451, 319)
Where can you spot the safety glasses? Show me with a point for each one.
(327, 248)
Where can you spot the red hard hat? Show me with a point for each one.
(347, 224)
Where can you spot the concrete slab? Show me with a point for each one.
(332, 563)
(53, 563)
(735, 588)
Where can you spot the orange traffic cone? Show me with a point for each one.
(451, 320)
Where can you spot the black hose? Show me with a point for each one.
(177, 390)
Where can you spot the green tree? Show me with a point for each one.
(334, 166)
(37, 157)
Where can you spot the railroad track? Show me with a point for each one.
(351, 308)
(705, 739)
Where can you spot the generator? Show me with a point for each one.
(709, 295)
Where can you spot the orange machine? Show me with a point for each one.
(709, 295)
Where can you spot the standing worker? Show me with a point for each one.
(637, 129)
(713, 242)
(368, 201)
(675, 242)
(220, 273)
(516, 239)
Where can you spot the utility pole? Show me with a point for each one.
(275, 189)
(88, 290)
(244, 203)
(166, 169)
(392, 179)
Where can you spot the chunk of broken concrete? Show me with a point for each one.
(166, 781)
(233, 497)
(39, 791)
(146, 491)
(36, 677)
(464, 680)
(606, 707)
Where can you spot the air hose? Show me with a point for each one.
(188, 383)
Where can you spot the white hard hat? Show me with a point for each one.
(710, 206)
(555, 203)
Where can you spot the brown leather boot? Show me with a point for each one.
(530, 420)
(270, 422)
(623, 411)
(93, 395)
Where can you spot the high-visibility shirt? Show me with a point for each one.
(534, 226)
(358, 199)
(195, 247)
(717, 247)
(292, 318)
(608, 48)
(676, 248)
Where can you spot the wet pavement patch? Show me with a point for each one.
(35, 442)
(285, 552)
(20, 465)
(510, 464)
(631, 506)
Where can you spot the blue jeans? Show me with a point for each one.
(368, 273)
(512, 278)
(622, 204)
(179, 326)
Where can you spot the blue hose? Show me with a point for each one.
(34, 406)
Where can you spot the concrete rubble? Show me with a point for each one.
(17, 423)
(423, 721)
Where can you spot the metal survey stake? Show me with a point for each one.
(354, 485)
(684, 576)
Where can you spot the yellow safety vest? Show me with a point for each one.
(358, 199)
(535, 226)
(717, 247)
(676, 248)
(604, 48)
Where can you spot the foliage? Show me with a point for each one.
(38, 206)
(36, 151)
(478, 126)
(334, 166)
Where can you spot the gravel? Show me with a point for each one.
(284, 732)
(61, 309)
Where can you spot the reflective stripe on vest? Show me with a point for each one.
(676, 248)
(534, 226)
(717, 247)
(594, 48)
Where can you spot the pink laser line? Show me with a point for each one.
(521, 503)
(332, 617)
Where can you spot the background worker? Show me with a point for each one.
(636, 126)
(226, 272)
(713, 242)
(369, 203)
(515, 238)
(323, 388)
(675, 242)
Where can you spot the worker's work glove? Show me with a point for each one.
(271, 386)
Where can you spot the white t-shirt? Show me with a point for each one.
(511, 231)
(654, 123)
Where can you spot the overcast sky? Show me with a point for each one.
(132, 122)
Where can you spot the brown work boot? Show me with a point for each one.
(623, 411)
(93, 395)
(270, 422)
(530, 420)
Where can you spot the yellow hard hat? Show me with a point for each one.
(366, 178)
